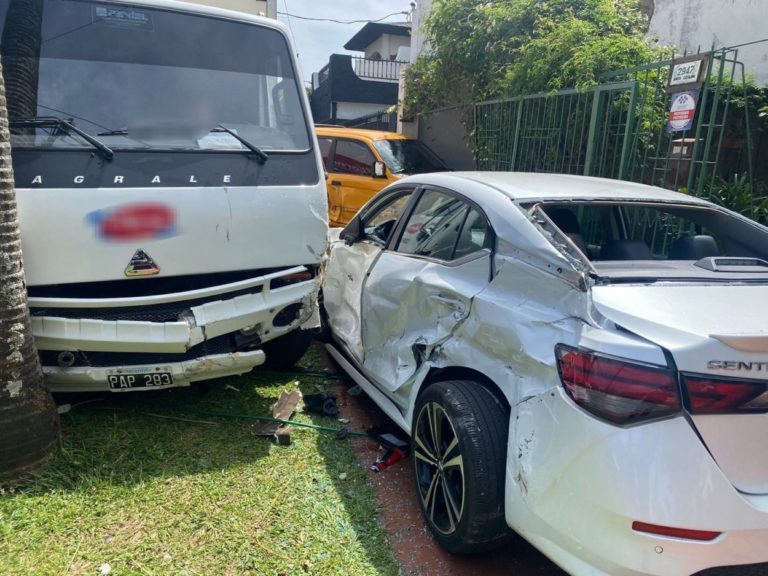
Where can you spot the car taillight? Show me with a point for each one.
(620, 391)
(715, 395)
(669, 531)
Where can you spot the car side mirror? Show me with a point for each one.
(352, 232)
(379, 170)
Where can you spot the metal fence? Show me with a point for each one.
(618, 129)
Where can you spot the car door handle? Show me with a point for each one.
(335, 183)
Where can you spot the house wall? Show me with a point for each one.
(343, 86)
(444, 132)
(410, 126)
(259, 7)
(690, 24)
(352, 110)
(418, 17)
(687, 24)
(387, 45)
(321, 102)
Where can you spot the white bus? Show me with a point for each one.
(171, 196)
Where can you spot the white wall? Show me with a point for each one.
(352, 110)
(690, 24)
(418, 46)
(387, 45)
(419, 15)
(259, 7)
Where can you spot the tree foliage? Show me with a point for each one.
(484, 49)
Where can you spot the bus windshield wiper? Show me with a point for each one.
(260, 154)
(56, 122)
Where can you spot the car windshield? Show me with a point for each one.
(662, 240)
(136, 77)
(408, 157)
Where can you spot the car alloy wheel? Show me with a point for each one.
(459, 439)
(439, 468)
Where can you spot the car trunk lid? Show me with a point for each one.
(718, 337)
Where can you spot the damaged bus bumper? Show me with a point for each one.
(121, 344)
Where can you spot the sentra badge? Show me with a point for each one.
(141, 265)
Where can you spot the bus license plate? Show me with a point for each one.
(125, 381)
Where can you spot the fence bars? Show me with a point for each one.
(618, 128)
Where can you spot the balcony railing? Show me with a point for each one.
(381, 70)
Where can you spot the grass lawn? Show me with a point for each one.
(149, 495)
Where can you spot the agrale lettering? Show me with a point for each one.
(156, 179)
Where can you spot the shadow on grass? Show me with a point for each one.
(126, 439)
(314, 490)
(348, 477)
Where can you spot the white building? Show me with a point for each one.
(350, 87)
(259, 7)
(690, 25)
(698, 25)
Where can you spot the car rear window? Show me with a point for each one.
(605, 231)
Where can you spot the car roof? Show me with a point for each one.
(523, 186)
(357, 133)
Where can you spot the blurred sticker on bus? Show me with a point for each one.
(136, 221)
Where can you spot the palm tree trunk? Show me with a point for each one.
(29, 423)
(21, 42)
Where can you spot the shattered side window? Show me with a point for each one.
(475, 235)
(379, 223)
(434, 229)
(588, 226)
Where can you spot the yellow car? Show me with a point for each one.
(359, 163)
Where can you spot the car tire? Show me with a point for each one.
(460, 477)
(284, 352)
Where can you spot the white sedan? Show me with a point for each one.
(584, 361)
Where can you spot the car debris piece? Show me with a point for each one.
(391, 449)
(282, 409)
(321, 404)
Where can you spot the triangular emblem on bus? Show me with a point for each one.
(141, 264)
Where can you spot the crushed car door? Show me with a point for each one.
(418, 293)
(349, 262)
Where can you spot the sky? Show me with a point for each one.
(316, 41)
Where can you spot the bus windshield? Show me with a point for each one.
(136, 77)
